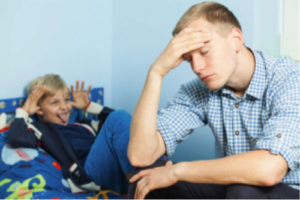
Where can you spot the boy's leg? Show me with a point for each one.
(107, 161)
(181, 190)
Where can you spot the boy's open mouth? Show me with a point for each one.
(64, 117)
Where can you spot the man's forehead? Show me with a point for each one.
(204, 24)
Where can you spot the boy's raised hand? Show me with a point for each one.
(31, 104)
(80, 98)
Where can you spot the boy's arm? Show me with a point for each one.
(21, 133)
(101, 112)
(146, 144)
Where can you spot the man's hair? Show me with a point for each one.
(52, 83)
(212, 12)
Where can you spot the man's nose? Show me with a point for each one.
(198, 64)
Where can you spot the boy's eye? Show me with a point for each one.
(53, 102)
(67, 99)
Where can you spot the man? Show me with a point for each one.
(249, 100)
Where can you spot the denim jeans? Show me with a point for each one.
(107, 161)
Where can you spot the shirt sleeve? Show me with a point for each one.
(281, 133)
(183, 114)
(21, 132)
(102, 113)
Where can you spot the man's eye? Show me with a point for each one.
(204, 51)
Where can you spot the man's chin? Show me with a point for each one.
(214, 87)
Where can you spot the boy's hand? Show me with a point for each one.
(31, 104)
(80, 98)
(187, 40)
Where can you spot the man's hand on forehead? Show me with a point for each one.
(189, 39)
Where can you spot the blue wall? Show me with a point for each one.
(71, 38)
(112, 44)
(142, 29)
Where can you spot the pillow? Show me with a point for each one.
(2, 121)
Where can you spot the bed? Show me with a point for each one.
(31, 173)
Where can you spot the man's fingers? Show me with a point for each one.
(169, 163)
(142, 188)
(138, 176)
(193, 36)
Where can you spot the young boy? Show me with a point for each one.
(89, 152)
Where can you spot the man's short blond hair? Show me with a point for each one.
(212, 12)
(52, 83)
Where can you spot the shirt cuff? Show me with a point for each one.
(21, 113)
(278, 145)
(94, 108)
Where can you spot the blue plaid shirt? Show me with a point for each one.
(266, 117)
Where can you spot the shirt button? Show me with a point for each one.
(278, 135)
(237, 133)
(237, 105)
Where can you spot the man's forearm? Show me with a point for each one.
(253, 168)
(144, 141)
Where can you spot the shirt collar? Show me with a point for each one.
(258, 82)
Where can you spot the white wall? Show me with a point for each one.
(70, 38)
(266, 29)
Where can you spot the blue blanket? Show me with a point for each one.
(27, 173)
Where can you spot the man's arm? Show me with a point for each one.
(258, 167)
(146, 143)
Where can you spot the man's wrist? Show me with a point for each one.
(155, 70)
(180, 170)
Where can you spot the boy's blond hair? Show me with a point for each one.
(212, 12)
(52, 83)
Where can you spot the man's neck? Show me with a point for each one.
(244, 72)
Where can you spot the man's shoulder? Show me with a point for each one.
(277, 70)
(280, 66)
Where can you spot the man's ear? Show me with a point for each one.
(238, 39)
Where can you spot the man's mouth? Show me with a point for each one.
(205, 78)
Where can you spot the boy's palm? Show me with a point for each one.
(31, 104)
(80, 98)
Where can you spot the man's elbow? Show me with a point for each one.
(272, 177)
(271, 181)
(138, 161)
